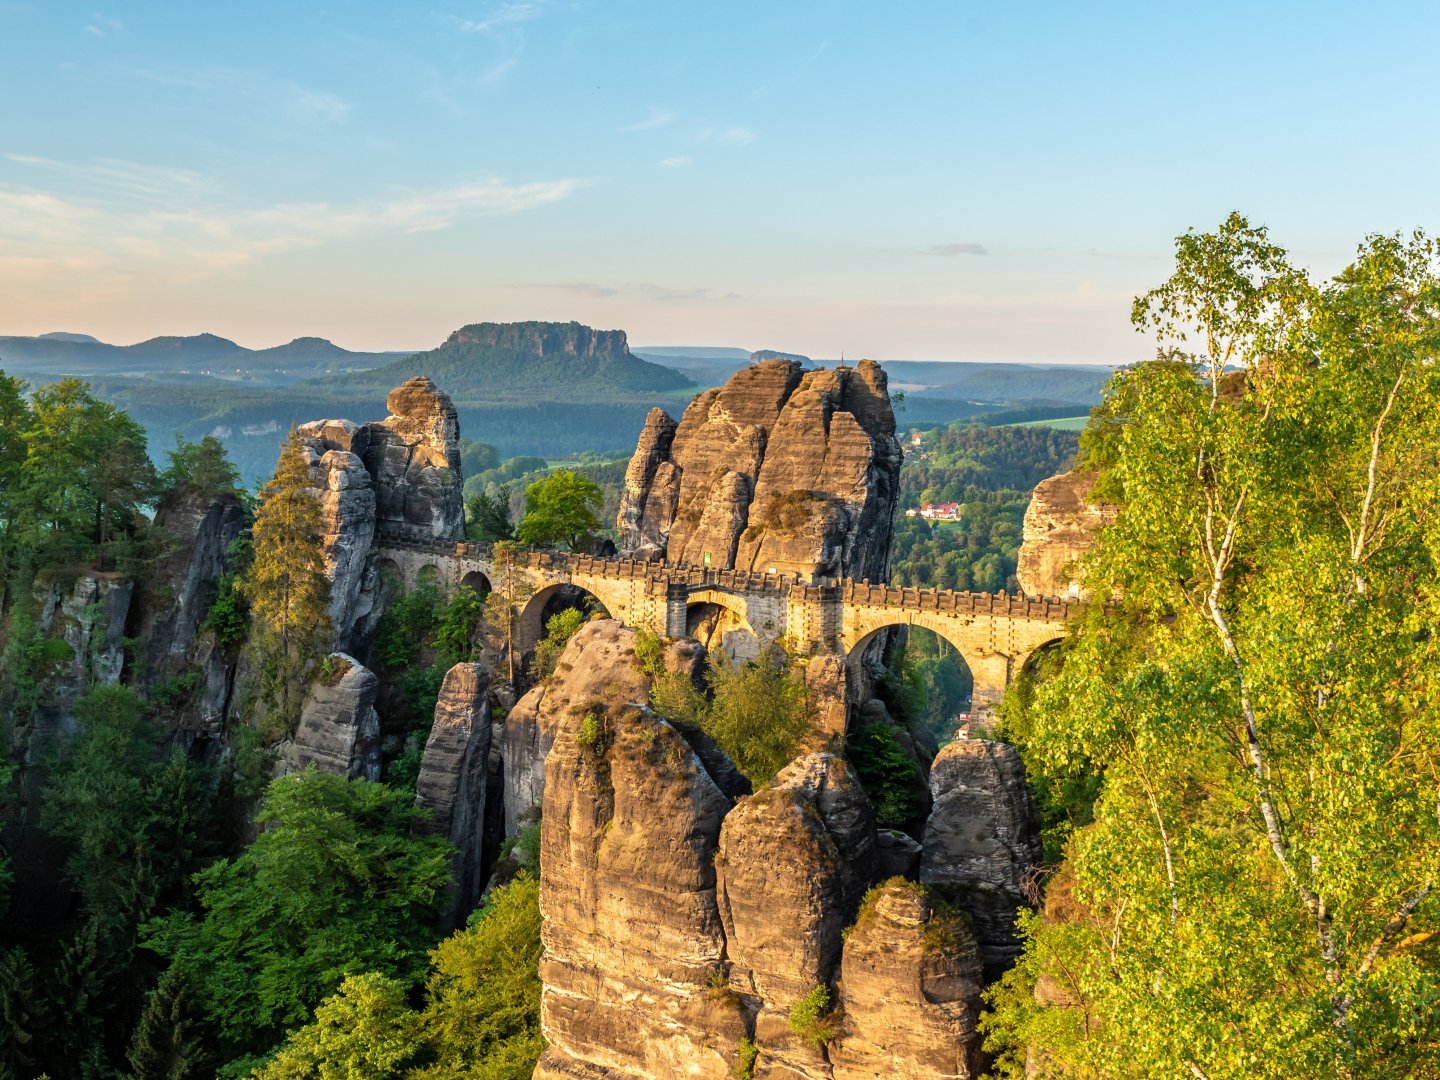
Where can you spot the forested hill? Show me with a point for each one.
(570, 360)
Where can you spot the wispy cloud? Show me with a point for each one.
(103, 26)
(134, 230)
(662, 294)
(736, 136)
(679, 162)
(297, 103)
(147, 182)
(966, 247)
(658, 118)
(500, 17)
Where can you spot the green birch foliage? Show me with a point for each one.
(1256, 894)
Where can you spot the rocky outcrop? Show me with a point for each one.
(826, 495)
(982, 842)
(84, 622)
(334, 449)
(633, 948)
(197, 529)
(1061, 524)
(778, 469)
(339, 730)
(793, 862)
(647, 504)
(400, 472)
(414, 457)
(451, 783)
(912, 981)
(598, 664)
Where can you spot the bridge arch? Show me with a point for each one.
(990, 672)
(429, 574)
(549, 601)
(717, 618)
(477, 580)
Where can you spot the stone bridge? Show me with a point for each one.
(995, 634)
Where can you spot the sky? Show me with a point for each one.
(902, 180)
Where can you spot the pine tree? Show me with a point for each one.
(287, 586)
(170, 1040)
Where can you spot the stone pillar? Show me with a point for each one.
(992, 674)
(677, 596)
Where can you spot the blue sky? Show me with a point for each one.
(982, 181)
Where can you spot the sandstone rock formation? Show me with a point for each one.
(632, 935)
(598, 664)
(912, 981)
(778, 469)
(339, 731)
(451, 783)
(346, 491)
(1061, 524)
(400, 472)
(647, 505)
(792, 865)
(414, 457)
(982, 841)
(175, 596)
(89, 617)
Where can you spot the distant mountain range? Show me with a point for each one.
(548, 389)
(206, 355)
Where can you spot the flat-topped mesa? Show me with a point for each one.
(779, 469)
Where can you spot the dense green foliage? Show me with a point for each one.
(480, 1019)
(887, 771)
(559, 629)
(560, 509)
(1255, 896)
(989, 471)
(337, 883)
(755, 711)
(422, 634)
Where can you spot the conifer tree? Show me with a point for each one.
(170, 1040)
(287, 586)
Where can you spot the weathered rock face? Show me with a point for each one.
(346, 492)
(793, 862)
(414, 457)
(1061, 524)
(339, 731)
(982, 841)
(597, 664)
(779, 468)
(451, 784)
(176, 596)
(89, 617)
(828, 488)
(640, 521)
(403, 471)
(912, 982)
(632, 933)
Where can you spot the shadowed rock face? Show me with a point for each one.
(175, 596)
(1061, 525)
(339, 731)
(912, 983)
(451, 783)
(779, 468)
(981, 841)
